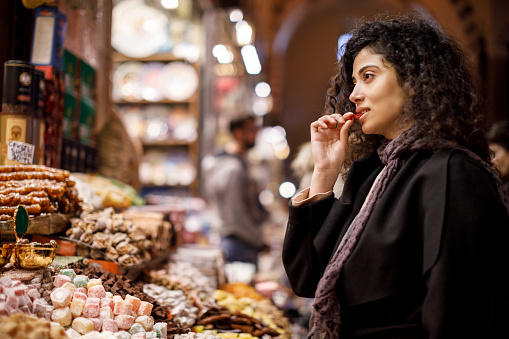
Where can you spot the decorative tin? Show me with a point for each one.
(15, 134)
(17, 87)
(38, 92)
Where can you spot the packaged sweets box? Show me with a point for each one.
(48, 38)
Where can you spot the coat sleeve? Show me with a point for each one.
(467, 285)
(300, 258)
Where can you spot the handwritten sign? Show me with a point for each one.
(20, 152)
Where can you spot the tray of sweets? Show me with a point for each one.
(41, 224)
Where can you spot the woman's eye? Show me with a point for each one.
(367, 76)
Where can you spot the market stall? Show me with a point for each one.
(106, 273)
(83, 255)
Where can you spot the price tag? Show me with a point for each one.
(20, 152)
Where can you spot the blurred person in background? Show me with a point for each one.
(416, 245)
(498, 137)
(233, 196)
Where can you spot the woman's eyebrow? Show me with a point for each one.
(364, 68)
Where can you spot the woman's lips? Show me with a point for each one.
(355, 116)
(359, 114)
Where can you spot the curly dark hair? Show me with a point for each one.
(440, 92)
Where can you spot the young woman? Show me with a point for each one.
(415, 247)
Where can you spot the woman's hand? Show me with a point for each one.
(329, 144)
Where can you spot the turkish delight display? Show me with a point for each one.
(18, 297)
(121, 291)
(93, 311)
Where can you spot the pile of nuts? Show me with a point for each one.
(113, 235)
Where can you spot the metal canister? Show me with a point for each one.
(37, 138)
(38, 92)
(17, 87)
(38, 125)
(18, 129)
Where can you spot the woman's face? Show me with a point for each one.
(500, 159)
(377, 94)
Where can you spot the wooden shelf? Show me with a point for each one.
(192, 105)
(163, 57)
(165, 186)
(164, 101)
(166, 143)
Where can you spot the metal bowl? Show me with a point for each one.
(7, 251)
(33, 256)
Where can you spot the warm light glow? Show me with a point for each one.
(149, 25)
(222, 53)
(219, 49)
(225, 58)
(262, 106)
(170, 4)
(287, 189)
(266, 197)
(262, 89)
(236, 15)
(251, 60)
(188, 51)
(282, 153)
(149, 94)
(244, 33)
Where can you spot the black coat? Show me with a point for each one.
(432, 261)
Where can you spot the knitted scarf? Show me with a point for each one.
(326, 309)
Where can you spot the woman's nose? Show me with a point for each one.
(356, 96)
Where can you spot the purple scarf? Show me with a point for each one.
(326, 313)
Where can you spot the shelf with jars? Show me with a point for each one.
(158, 101)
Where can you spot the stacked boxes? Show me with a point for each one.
(79, 114)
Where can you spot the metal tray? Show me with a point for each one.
(42, 224)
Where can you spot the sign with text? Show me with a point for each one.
(20, 152)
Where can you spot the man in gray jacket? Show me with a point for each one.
(232, 194)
